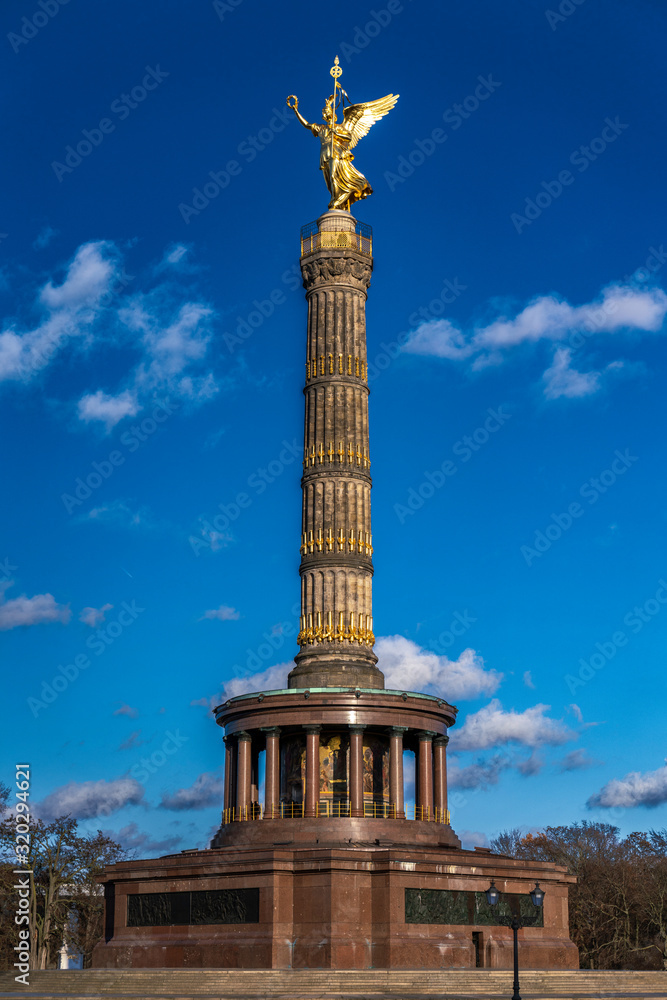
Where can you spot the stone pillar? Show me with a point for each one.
(254, 781)
(336, 635)
(312, 769)
(227, 795)
(425, 776)
(272, 774)
(440, 772)
(356, 770)
(396, 770)
(243, 775)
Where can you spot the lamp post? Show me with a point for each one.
(515, 922)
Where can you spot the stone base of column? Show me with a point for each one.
(325, 665)
(329, 907)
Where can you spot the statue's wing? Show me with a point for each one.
(358, 118)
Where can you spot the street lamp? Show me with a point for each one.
(492, 894)
(515, 922)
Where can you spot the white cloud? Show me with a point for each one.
(577, 713)
(87, 280)
(548, 318)
(273, 679)
(561, 379)
(206, 791)
(89, 799)
(440, 339)
(493, 726)
(406, 666)
(70, 310)
(635, 789)
(223, 614)
(528, 680)
(172, 343)
(107, 409)
(170, 330)
(38, 610)
(94, 616)
(174, 254)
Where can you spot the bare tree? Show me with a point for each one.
(618, 908)
(64, 867)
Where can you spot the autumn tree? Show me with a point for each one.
(618, 907)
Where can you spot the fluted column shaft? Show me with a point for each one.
(336, 635)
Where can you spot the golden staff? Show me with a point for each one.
(335, 72)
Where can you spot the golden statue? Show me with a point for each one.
(346, 185)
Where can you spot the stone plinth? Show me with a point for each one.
(324, 906)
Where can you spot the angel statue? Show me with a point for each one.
(346, 185)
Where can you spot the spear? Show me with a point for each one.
(335, 72)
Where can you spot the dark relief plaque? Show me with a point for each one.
(451, 906)
(216, 906)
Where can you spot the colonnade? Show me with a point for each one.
(241, 792)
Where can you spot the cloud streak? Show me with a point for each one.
(69, 311)
(90, 799)
(206, 791)
(549, 319)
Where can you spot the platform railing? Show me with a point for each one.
(333, 810)
(360, 240)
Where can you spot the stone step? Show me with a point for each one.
(472, 994)
(198, 984)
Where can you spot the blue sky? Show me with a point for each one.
(151, 365)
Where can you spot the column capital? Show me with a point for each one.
(356, 728)
(312, 728)
(398, 730)
(271, 730)
(426, 736)
(441, 741)
(244, 736)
